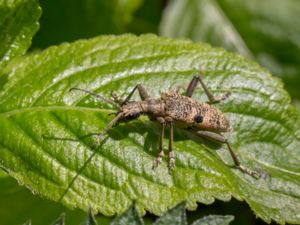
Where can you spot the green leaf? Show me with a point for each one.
(60, 220)
(3, 174)
(18, 24)
(39, 117)
(174, 216)
(297, 105)
(214, 220)
(90, 220)
(131, 216)
(248, 27)
(205, 21)
(26, 206)
(68, 20)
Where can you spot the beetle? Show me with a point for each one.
(175, 110)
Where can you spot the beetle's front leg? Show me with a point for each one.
(161, 143)
(163, 122)
(171, 152)
(219, 138)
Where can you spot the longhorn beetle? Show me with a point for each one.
(173, 109)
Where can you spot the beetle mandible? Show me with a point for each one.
(175, 110)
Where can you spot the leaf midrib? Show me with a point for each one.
(77, 108)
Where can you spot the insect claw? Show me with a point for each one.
(72, 89)
(158, 160)
(252, 173)
(156, 163)
(225, 96)
(171, 160)
(171, 166)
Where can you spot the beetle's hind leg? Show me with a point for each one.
(219, 138)
(142, 92)
(212, 99)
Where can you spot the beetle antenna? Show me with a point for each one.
(109, 101)
(97, 142)
(106, 129)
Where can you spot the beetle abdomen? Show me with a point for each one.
(187, 112)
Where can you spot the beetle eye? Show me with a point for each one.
(132, 116)
(198, 119)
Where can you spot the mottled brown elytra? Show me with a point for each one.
(175, 110)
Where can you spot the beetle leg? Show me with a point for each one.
(142, 92)
(212, 99)
(161, 142)
(191, 87)
(171, 151)
(219, 138)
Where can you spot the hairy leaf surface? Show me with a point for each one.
(44, 127)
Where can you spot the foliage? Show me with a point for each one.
(174, 216)
(18, 23)
(43, 142)
(83, 19)
(25, 205)
(268, 31)
(120, 169)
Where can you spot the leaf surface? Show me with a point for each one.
(175, 216)
(130, 216)
(90, 220)
(43, 141)
(214, 220)
(18, 24)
